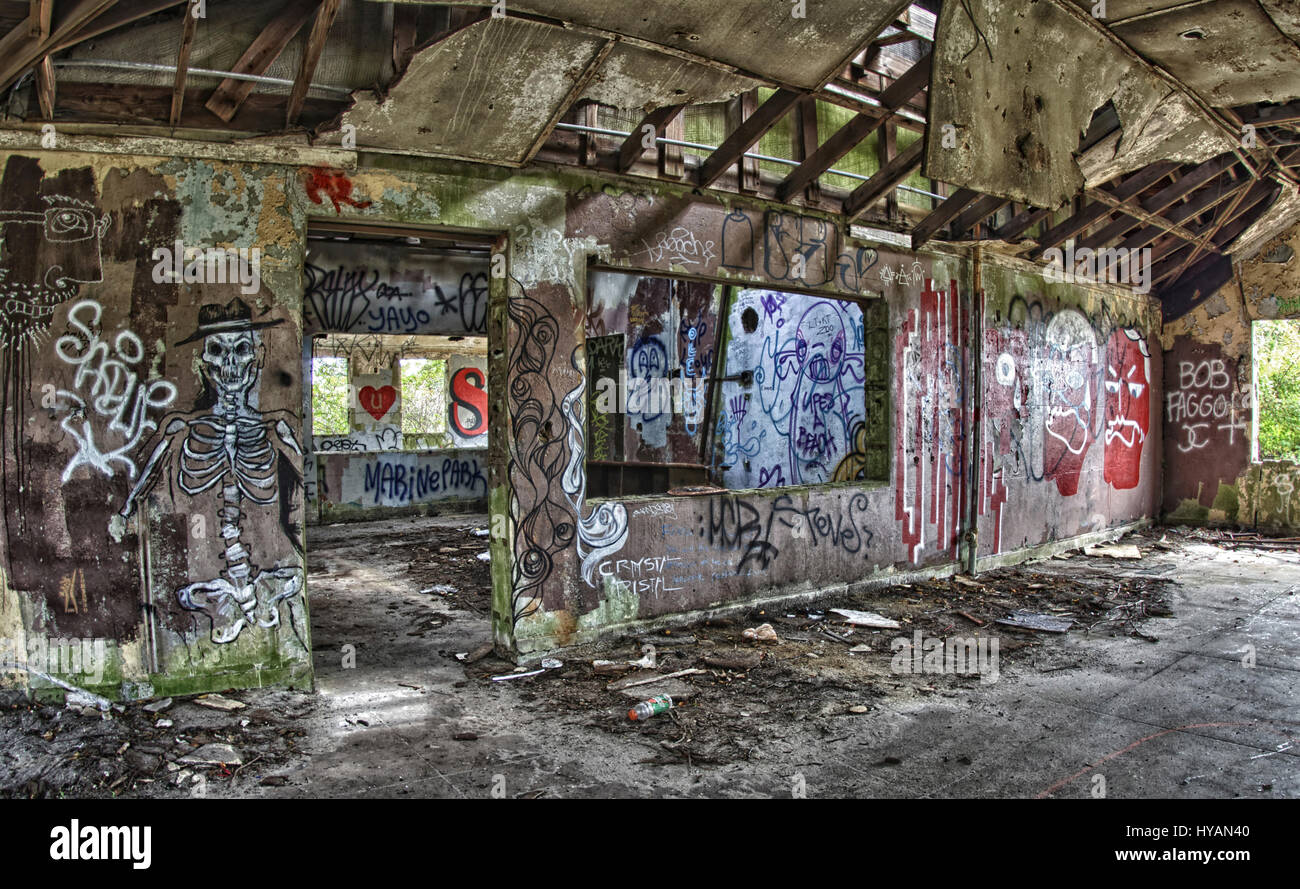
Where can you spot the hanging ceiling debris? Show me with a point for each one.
(1164, 123)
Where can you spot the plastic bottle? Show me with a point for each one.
(647, 708)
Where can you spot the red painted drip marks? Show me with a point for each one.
(993, 493)
(932, 352)
(334, 184)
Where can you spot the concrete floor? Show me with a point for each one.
(1178, 717)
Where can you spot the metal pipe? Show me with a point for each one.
(871, 101)
(197, 72)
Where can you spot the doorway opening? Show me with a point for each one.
(395, 429)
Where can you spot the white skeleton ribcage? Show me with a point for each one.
(217, 448)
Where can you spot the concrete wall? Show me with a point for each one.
(128, 524)
(355, 487)
(103, 370)
(1210, 477)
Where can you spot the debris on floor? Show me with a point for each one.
(868, 619)
(1028, 620)
(1116, 551)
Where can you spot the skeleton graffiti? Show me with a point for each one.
(233, 448)
(1128, 406)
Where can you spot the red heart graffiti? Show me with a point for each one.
(377, 401)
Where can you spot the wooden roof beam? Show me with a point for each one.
(744, 136)
(885, 180)
(956, 202)
(320, 30)
(849, 136)
(259, 56)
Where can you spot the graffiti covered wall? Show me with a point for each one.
(176, 408)
(1210, 473)
(152, 456)
(376, 304)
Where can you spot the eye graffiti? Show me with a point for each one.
(236, 449)
(50, 245)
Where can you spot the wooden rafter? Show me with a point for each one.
(45, 87)
(1222, 230)
(188, 29)
(1205, 199)
(19, 50)
(982, 209)
(1270, 115)
(259, 56)
(573, 95)
(847, 137)
(634, 147)
(805, 141)
(320, 30)
(1158, 203)
(39, 20)
(885, 180)
(1021, 222)
(899, 9)
(124, 12)
(1200, 246)
(1200, 283)
(1099, 206)
(1141, 215)
(743, 137)
(939, 217)
(42, 12)
(672, 162)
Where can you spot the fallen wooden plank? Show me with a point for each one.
(867, 619)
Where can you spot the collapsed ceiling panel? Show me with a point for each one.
(484, 93)
(223, 36)
(1006, 77)
(642, 79)
(760, 36)
(1229, 52)
(1285, 14)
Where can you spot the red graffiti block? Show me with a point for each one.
(1128, 406)
(469, 398)
(377, 401)
(327, 182)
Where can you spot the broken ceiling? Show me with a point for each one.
(1019, 82)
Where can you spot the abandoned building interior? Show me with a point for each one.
(464, 340)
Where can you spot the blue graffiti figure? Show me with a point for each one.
(647, 365)
(807, 394)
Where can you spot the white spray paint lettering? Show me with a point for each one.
(109, 387)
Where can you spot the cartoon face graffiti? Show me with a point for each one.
(47, 254)
(1128, 406)
(1069, 367)
(808, 392)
